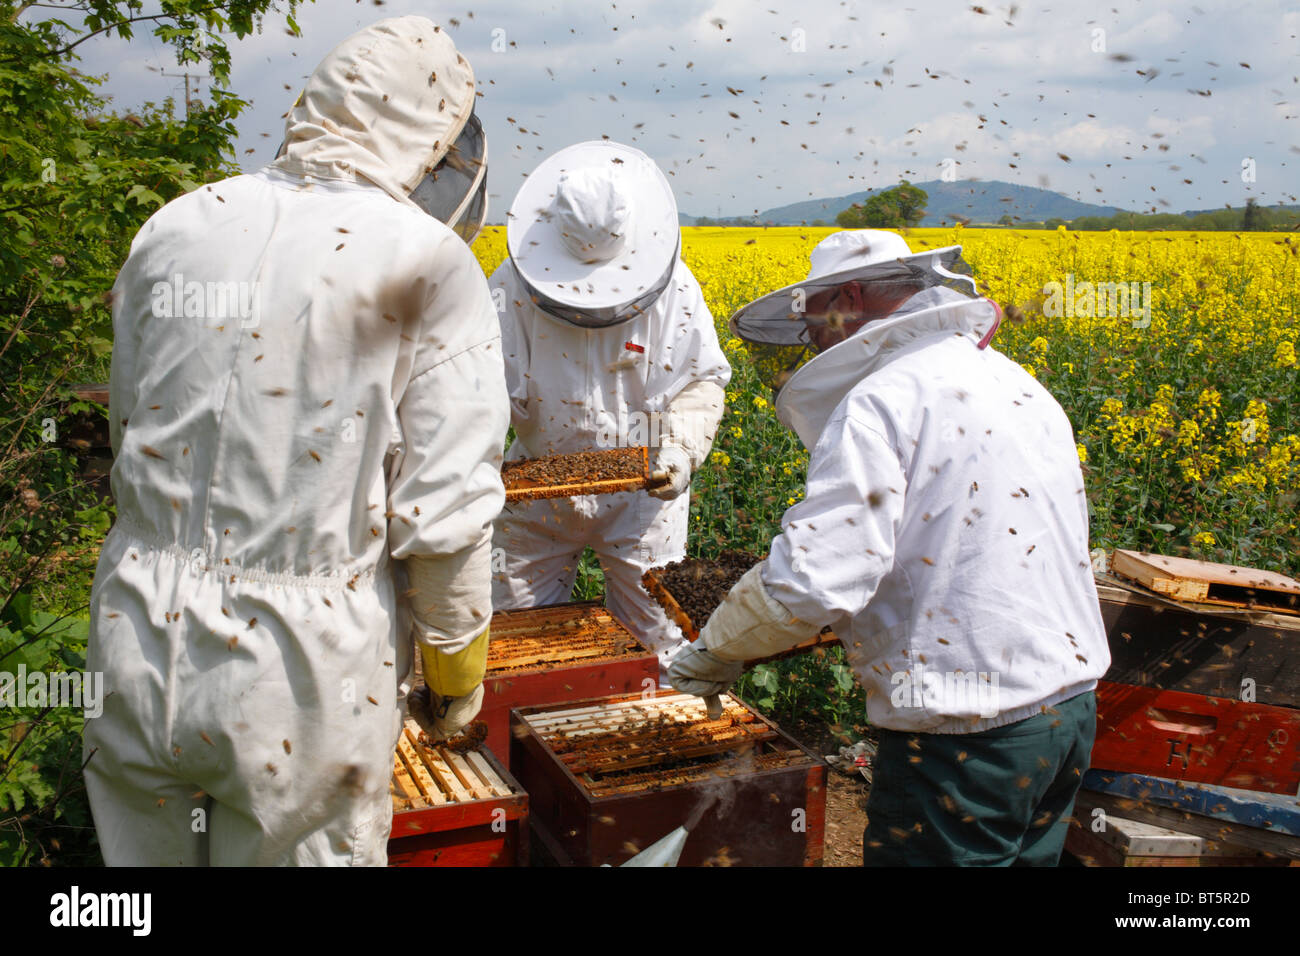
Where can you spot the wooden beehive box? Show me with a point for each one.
(607, 778)
(1108, 839)
(1257, 823)
(1225, 652)
(454, 809)
(557, 653)
(1195, 738)
(569, 474)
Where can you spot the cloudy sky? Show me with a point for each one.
(751, 104)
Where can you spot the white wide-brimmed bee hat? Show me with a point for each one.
(593, 234)
(872, 257)
(866, 291)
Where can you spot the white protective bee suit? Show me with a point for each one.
(570, 390)
(654, 379)
(278, 458)
(944, 534)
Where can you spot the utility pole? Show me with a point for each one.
(187, 87)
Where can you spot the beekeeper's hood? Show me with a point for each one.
(867, 295)
(394, 104)
(593, 234)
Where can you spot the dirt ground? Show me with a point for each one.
(845, 819)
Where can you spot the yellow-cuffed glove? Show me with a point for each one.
(452, 692)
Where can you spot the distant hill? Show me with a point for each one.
(974, 201)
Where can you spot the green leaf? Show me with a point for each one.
(12, 796)
(19, 613)
(843, 677)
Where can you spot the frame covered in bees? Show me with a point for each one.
(581, 473)
(454, 808)
(691, 589)
(557, 653)
(608, 777)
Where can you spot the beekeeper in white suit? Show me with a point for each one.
(944, 537)
(308, 406)
(608, 343)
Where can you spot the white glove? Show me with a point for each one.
(443, 717)
(451, 603)
(747, 625)
(750, 623)
(676, 465)
(696, 671)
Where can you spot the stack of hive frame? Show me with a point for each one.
(454, 809)
(1204, 685)
(1198, 717)
(606, 778)
(556, 653)
(583, 473)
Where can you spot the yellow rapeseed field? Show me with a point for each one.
(1174, 354)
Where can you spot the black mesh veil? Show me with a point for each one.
(456, 191)
(786, 328)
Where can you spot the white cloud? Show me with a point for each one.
(815, 123)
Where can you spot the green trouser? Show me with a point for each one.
(998, 798)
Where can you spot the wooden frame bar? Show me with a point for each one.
(453, 809)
